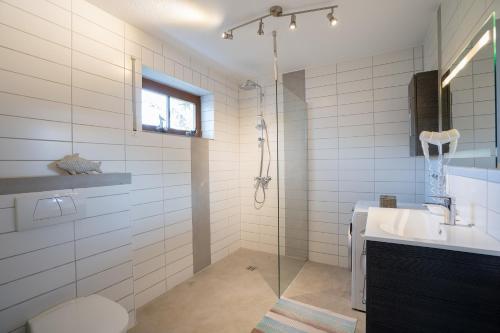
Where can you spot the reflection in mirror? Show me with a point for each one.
(471, 99)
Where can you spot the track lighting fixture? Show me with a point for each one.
(293, 22)
(277, 11)
(260, 32)
(331, 17)
(227, 34)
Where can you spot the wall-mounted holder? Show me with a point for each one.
(42, 209)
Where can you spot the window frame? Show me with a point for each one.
(161, 88)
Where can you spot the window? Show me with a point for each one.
(166, 109)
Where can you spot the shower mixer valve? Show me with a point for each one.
(263, 181)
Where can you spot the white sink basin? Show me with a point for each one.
(423, 228)
(411, 223)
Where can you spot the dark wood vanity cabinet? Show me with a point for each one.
(420, 289)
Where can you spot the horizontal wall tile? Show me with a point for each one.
(24, 21)
(26, 107)
(33, 87)
(149, 294)
(98, 16)
(103, 261)
(24, 128)
(16, 316)
(95, 49)
(33, 262)
(24, 289)
(90, 246)
(354, 86)
(19, 149)
(21, 63)
(97, 67)
(92, 226)
(393, 68)
(90, 99)
(46, 10)
(104, 279)
(96, 32)
(98, 84)
(27, 43)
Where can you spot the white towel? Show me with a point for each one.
(439, 139)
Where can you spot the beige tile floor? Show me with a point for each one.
(226, 297)
(327, 287)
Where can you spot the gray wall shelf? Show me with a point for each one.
(51, 183)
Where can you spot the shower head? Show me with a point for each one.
(250, 85)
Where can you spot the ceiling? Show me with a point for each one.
(366, 27)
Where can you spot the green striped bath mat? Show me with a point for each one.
(289, 316)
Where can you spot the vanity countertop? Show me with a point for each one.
(458, 237)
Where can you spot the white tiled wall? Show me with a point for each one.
(40, 268)
(477, 193)
(358, 143)
(224, 173)
(161, 212)
(65, 87)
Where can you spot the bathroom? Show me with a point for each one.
(218, 166)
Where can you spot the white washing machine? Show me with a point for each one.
(357, 250)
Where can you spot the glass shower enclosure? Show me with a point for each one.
(293, 201)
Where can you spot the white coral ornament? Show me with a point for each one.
(74, 164)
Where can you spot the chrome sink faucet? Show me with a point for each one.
(450, 216)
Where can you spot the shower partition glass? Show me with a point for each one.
(293, 199)
(275, 218)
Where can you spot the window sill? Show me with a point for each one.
(152, 129)
(175, 134)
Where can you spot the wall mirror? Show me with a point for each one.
(469, 100)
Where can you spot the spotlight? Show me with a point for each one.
(260, 32)
(293, 23)
(332, 18)
(227, 34)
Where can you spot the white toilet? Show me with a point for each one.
(93, 313)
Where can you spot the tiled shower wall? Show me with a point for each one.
(357, 149)
(259, 227)
(358, 144)
(65, 87)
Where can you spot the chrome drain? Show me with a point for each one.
(251, 268)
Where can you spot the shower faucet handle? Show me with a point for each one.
(264, 181)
